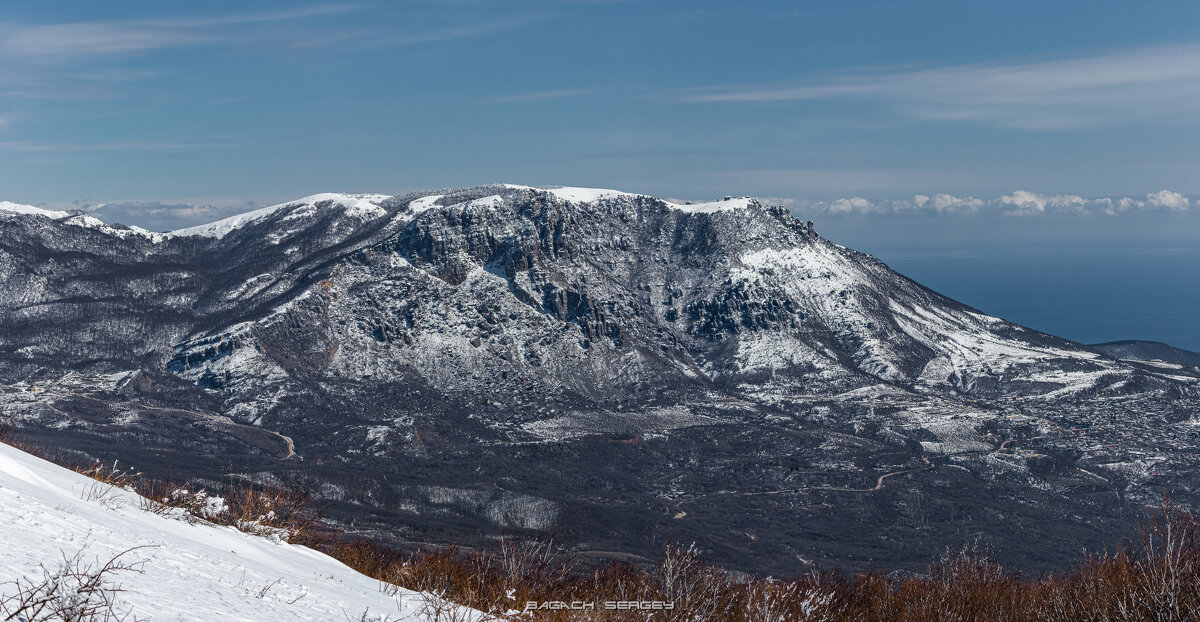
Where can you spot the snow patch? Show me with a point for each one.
(78, 219)
(588, 195)
(361, 206)
(424, 203)
(724, 205)
(17, 208)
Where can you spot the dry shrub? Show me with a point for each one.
(961, 585)
(107, 483)
(699, 591)
(75, 590)
(1154, 576)
(286, 513)
(168, 498)
(266, 510)
(370, 558)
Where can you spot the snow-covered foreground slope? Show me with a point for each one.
(190, 571)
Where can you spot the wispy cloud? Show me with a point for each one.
(98, 59)
(320, 10)
(91, 59)
(157, 216)
(459, 31)
(125, 145)
(61, 41)
(180, 213)
(1017, 203)
(828, 181)
(116, 145)
(1048, 94)
(535, 96)
(48, 43)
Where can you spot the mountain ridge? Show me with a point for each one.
(503, 354)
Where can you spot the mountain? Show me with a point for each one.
(1154, 352)
(612, 367)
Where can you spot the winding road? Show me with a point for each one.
(291, 447)
(878, 484)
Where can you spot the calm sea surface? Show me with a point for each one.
(1090, 294)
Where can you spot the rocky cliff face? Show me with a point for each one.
(425, 349)
(530, 284)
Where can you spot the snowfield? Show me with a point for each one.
(189, 571)
(360, 206)
(17, 208)
(78, 219)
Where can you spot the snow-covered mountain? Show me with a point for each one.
(422, 355)
(559, 287)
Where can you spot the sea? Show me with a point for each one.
(1090, 293)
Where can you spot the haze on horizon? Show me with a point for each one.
(222, 105)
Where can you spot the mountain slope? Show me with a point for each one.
(1149, 351)
(441, 365)
(182, 570)
(718, 293)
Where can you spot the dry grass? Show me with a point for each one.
(1153, 577)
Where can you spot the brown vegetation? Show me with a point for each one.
(1153, 576)
(251, 507)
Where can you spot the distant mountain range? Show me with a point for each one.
(613, 367)
(1133, 350)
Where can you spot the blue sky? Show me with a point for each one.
(183, 112)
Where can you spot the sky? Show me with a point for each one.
(894, 125)
(224, 104)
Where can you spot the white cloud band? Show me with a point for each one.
(1020, 202)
